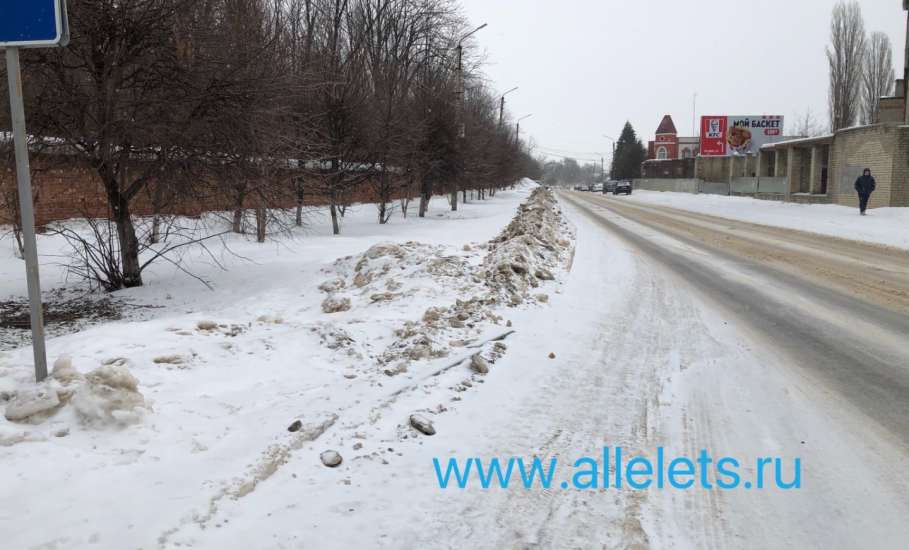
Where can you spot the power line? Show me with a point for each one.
(572, 157)
(568, 152)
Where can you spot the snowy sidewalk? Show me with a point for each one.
(238, 382)
(886, 226)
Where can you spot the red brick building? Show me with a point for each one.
(669, 146)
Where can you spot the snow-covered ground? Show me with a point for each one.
(154, 431)
(885, 226)
(205, 420)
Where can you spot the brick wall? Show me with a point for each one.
(64, 188)
(683, 168)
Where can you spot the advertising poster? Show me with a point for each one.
(738, 135)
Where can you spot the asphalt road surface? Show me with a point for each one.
(839, 308)
(745, 339)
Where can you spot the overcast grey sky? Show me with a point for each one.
(585, 66)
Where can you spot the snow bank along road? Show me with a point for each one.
(815, 366)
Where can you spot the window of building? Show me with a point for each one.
(686, 153)
(662, 154)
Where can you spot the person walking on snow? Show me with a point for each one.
(864, 186)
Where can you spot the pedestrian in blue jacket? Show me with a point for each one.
(864, 186)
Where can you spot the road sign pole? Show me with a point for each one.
(26, 211)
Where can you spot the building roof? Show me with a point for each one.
(667, 126)
(787, 142)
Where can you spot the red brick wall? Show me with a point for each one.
(64, 188)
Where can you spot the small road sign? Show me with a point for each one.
(29, 24)
(32, 23)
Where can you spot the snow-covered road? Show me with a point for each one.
(772, 362)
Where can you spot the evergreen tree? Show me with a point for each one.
(629, 155)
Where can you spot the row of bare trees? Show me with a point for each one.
(256, 105)
(861, 68)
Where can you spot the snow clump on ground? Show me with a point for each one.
(106, 396)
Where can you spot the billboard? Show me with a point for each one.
(738, 135)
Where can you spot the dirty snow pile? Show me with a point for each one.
(537, 244)
(388, 271)
(106, 396)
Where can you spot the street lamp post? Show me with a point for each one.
(517, 133)
(612, 160)
(461, 126)
(502, 106)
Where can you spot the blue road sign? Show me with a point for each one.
(31, 23)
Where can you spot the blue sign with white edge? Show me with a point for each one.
(32, 23)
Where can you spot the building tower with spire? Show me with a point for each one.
(669, 146)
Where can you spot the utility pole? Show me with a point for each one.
(461, 126)
(694, 110)
(502, 106)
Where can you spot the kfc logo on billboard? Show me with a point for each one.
(713, 136)
(714, 129)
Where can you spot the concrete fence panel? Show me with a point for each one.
(713, 188)
(772, 185)
(744, 186)
(676, 185)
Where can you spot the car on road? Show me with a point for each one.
(622, 187)
(609, 187)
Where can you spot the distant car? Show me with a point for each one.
(610, 186)
(622, 187)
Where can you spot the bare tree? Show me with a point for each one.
(116, 94)
(807, 125)
(248, 140)
(252, 106)
(846, 57)
(396, 30)
(879, 77)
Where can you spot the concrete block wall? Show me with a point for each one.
(876, 147)
(794, 169)
(714, 169)
(899, 188)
